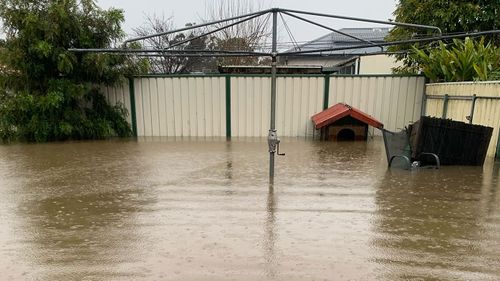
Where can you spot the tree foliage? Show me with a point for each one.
(461, 61)
(247, 36)
(451, 16)
(48, 92)
(170, 64)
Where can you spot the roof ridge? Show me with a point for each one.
(314, 40)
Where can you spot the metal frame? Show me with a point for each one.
(436, 159)
(407, 160)
(275, 11)
(446, 98)
(451, 97)
(273, 139)
(394, 43)
(497, 154)
(472, 109)
(194, 27)
(269, 75)
(215, 30)
(331, 29)
(421, 26)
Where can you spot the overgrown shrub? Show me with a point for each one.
(67, 111)
(46, 91)
(463, 60)
(451, 16)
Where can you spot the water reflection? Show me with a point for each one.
(271, 235)
(201, 209)
(431, 224)
(229, 161)
(76, 208)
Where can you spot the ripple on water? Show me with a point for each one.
(202, 209)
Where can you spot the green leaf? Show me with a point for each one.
(43, 48)
(464, 60)
(65, 63)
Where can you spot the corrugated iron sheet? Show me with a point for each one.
(180, 107)
(395, 101)
(196, 106)
(297, 99)
(119, 95)
(487, 111)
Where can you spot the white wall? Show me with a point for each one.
(377, 64)
(316, 61)
(371, 64)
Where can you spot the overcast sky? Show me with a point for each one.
(183, 11)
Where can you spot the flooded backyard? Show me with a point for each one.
(197, 209)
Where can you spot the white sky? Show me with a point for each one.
(184, 11)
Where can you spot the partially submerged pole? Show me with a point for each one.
(272, 138)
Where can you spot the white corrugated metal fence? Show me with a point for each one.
(394, 101)
(185, 106)
(459, 105)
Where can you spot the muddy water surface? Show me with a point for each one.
(164, 209)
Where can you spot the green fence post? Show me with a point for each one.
(473, 106)
(445, 105)
(423, 108)
(132, 105)
(498, 147)
(228, 106)
(326, 92)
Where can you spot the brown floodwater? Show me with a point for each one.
(198, 209)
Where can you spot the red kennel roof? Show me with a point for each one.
(339, 111)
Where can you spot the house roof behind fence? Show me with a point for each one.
(336, 40)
